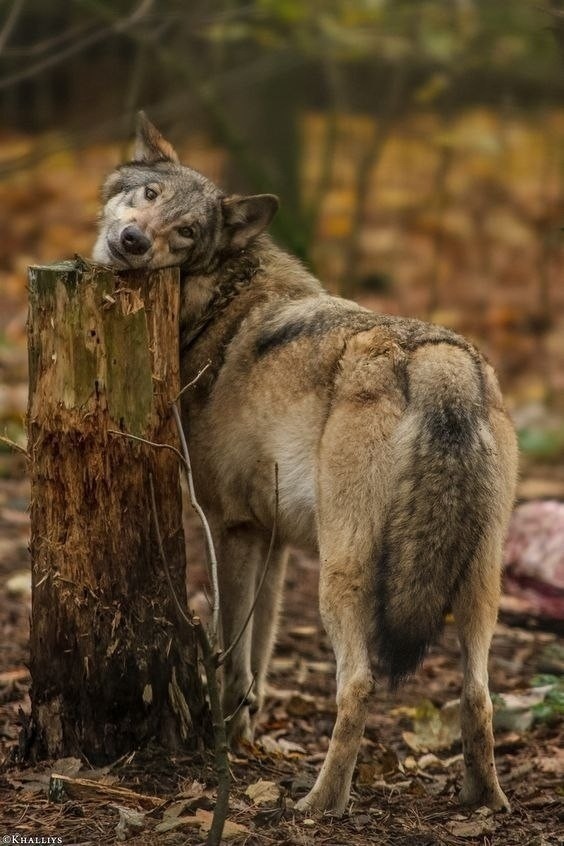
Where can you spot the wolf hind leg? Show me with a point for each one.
(346, 610)
(355, 464)
(475, 612)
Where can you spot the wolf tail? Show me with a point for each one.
(443, 493)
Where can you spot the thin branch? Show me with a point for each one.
(210, 666)
(10, 23)
(192, 381)
(177, 604)
(149, 443)
(48, 43)
(15, 446)
(204, 521)
(54, 58)
(220, 738)
(268, 559)
(121, 25)
(243, 701)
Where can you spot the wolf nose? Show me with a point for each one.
(133, 241)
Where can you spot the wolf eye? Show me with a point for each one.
(150, 194)
(185, 231)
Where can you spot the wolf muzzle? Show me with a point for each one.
(134, 242)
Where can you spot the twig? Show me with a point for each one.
(14, 445)
(243, 701)
(10, 23)
(149, 443)
(210, 666)
(204, 521)
(219, 735)
(43, 46)
(233, 644)
(192, 381)
(178, 605)
(57, 56)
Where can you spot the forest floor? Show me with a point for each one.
(402, 794)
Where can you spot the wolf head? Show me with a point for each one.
(157, 212)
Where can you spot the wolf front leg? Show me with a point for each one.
(265, 618)
(239, 554)
(346, 611)
(243, 556)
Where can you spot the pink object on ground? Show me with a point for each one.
(534, 557)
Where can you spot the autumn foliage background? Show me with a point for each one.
(418, 149)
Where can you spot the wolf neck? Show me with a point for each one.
(214, 305)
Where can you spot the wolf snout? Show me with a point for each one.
(134, 241)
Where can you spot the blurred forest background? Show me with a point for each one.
(417, 147)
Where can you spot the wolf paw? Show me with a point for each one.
(492, 797)
(316, 803)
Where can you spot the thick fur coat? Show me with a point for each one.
(394, 456)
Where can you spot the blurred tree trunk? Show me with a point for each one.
(108, 670)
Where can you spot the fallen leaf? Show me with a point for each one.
(429, 761)
(434, 728)
(262, 792)
(470, 828)
(484, 811)
(366, 773)
(231, 830)
(176, 810)
(171, 823)
(553, 763)
(269, 745)
(302, 631)
(129, 821)
(386, 760)
(32, 786)
(360, 821)
(19, 584)
(325, 667)
(301, 706)
(67, 766)
(15, 675)
(290, 749)
(437, 786)
(202, 819)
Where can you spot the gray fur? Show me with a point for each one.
(396, 459)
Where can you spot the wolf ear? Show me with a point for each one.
(150, 146)
(247, 217)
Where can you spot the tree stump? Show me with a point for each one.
(108, 671)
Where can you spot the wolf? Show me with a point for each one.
(394, 454)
